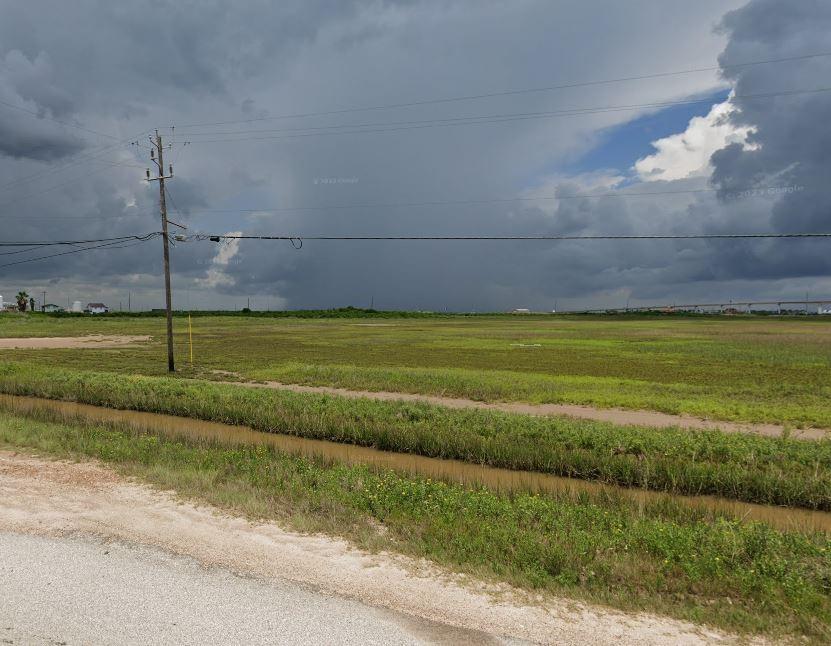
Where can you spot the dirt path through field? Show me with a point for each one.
(61, 342)
(72, 501)
(613, 415)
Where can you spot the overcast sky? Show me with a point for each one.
(79, 81)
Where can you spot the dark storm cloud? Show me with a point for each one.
(20, 140)
(459, 163)
(119, 69)
(28, 92)
(791, 140)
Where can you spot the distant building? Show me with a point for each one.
(824, 310)
(96, 308)
(76, 307)
(51, 307)
(521, 310)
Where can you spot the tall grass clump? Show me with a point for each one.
(750, 468)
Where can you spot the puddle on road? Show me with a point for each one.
(503, 480)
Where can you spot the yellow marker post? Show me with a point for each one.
(190, 339)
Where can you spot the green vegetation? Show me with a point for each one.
(495, 385)
(745, 467)
(661, 557)
(767, 369)
(335, 313)
(22, 299)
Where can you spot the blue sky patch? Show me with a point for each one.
(621, 146)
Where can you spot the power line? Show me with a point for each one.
(111, 245)
(515, 92)
(173, 202)
(52, 243)
(369, 128)
(691, 236)
(12, 253)
(386, 205)
(116, 163)
(38, 246)
(118, 244)
(427, 203)
(53, 187)
(74, 217)
(63, 123)
(54, 169)
(75, 159)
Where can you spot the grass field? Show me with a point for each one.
(750, 468)
(665, 557)
(764, 369)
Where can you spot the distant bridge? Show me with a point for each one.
(704, 306)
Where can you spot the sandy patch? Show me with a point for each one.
(56, 342)
(56, 498)
(373, 324)
(618, 416)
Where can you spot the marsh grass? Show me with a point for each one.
(777, 471)
(759, 403)
(763, 369)
(665, 557)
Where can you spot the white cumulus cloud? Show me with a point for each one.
(687, 154)
(216, 274)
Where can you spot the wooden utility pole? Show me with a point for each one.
(158, 158)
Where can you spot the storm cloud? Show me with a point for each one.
(229, 77)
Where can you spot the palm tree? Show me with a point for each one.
(22, 300)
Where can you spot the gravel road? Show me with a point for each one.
(88, 556)
(83, 591)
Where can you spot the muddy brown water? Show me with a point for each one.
(502, 480)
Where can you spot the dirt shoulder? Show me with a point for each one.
(62, 499)
(614, 415)
(70, 342)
